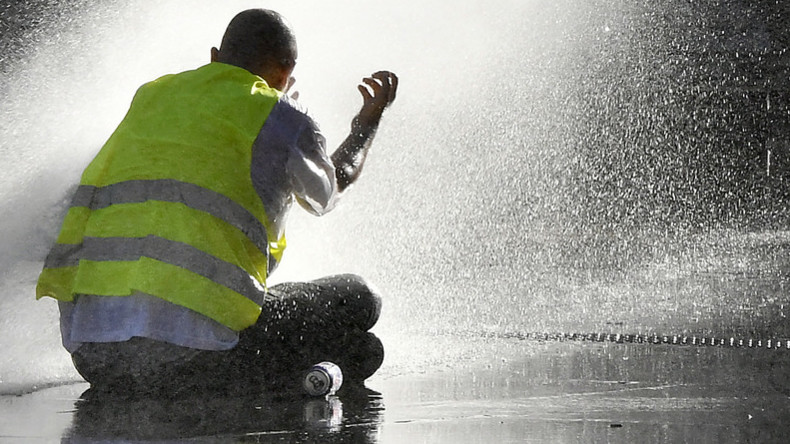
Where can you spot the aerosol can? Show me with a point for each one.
(323, 379)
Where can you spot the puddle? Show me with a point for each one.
(510, 390)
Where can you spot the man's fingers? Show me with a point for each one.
(365, 93)
(374, 85)
(382, 75)
(291, 81)
(389, 81)
(379, 90)
(393, 87)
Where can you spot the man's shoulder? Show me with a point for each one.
(292, 111)
(291, 105)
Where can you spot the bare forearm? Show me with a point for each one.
(349, 158)
(378, 91)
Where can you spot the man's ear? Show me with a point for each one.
(214, 54)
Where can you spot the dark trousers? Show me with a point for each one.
(302, 324)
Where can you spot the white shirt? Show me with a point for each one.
(289, 162)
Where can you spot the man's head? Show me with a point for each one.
(259, 41)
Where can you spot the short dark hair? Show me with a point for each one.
(257, 36)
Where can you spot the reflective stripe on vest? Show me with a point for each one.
(98, 249)
(165, 250)
(170, 190)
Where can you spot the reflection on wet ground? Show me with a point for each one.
(507, 390)
(352, 416)
(596, 392)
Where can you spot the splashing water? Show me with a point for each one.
(548, 165)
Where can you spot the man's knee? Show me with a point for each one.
(344, 299)
(350, 284)
(358, 297)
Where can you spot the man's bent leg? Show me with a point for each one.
(356, 300)
(358, 354)
(308, 322)
(140, 365)
(282, 361)
(329, 306)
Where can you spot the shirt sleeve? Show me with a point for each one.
(311, 172)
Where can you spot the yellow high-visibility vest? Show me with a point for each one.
(168, 208)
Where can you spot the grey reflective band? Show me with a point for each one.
(171, 190)
(164, 250)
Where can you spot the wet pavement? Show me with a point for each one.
(693, 347)
(503, 390)
(600, 392)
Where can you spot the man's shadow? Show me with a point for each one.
(271, 408)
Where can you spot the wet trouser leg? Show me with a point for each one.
(301, 324)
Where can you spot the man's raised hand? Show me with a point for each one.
(378, 91)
